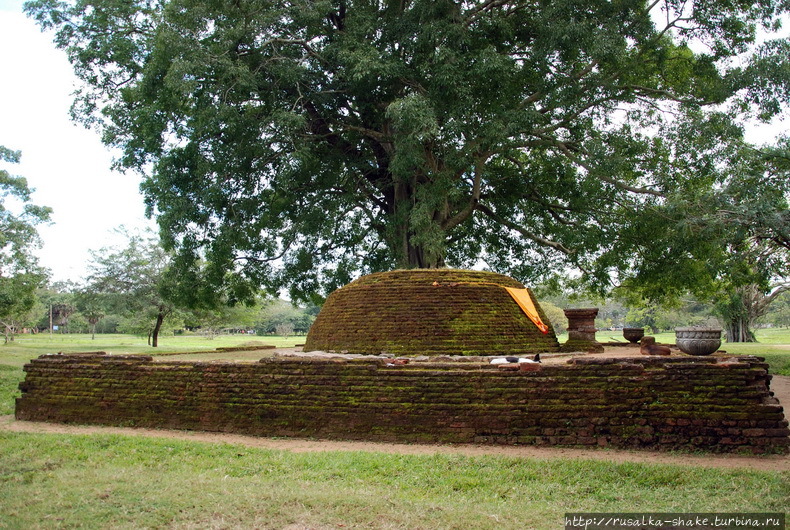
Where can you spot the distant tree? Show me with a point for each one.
(278, 312)
(779, 312)
(759, 269)
(20, 274)
(745, 305)
(556, 316)
(133, 282)
(301, 143)
(143, 323)
(284, 329)
(18, 303)
(656, 317)
(92, 305)
(211, 321)
(51, 297)
(739, 233)
(61, 313)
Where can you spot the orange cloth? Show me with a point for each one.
(524, 301)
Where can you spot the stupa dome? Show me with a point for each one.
(431, 312)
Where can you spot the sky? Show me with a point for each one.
(67, 164)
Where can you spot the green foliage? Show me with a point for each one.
(10, 378)
(212, 321)
(58, 302)
(556, 316)
(285, 315)
(131, 281)
(302, 143)
(779, 315)
(656, 318)
(20, 274)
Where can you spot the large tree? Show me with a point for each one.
(20, 273)
(751, 213)
(298, 143)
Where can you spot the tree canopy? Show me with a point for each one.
(299, 143)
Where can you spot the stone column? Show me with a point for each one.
(581, 331)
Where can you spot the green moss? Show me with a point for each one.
(573, 404)
(428, 312)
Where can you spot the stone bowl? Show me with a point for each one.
(633, 335)
(698, 340)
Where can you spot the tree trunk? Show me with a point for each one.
(745, 305)
(419, 257)
(738, 329)
(419, 242)
(160, 317)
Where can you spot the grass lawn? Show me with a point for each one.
(103, 481)
(26, 347)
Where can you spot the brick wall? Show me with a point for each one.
(666, 403)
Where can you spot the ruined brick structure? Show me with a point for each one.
(581, 331)
(428, 312)
(703, 403)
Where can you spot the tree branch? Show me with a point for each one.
(474, 199)
(473, 14)
(646, 91)
(523, 231)
(614, 182)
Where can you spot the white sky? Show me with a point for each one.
(67, 164)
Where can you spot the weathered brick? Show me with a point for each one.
(619, 403)
(428, 312)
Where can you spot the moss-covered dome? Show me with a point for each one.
(429, 312)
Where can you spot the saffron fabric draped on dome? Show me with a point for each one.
(524, 301)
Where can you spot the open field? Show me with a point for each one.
(111, 480)
(26, 347)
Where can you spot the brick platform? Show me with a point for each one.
(661, 404)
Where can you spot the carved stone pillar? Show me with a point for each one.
(581, 331)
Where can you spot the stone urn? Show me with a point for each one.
(633, 335)
(698, 340)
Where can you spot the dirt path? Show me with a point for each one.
(780, 385)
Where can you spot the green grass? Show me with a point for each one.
(10, 376)
(765, 337)
(774, 345)
(26, 347)
(102, 481)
